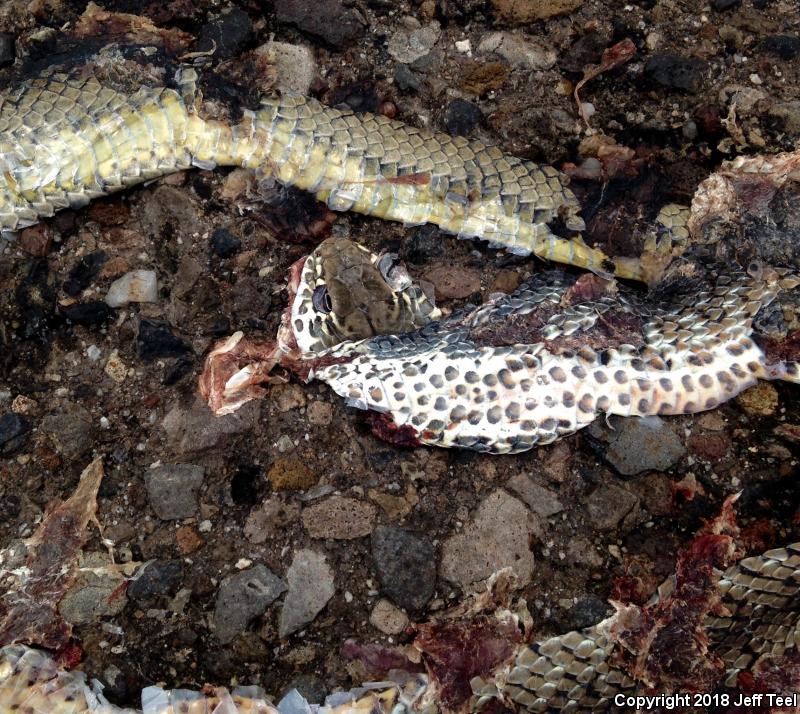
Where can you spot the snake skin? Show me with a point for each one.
(573, 672)
(65, 140)
(526, 369)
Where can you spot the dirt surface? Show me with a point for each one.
(299, 471)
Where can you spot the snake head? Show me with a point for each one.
(341, 292)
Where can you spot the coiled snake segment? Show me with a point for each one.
(65, 140)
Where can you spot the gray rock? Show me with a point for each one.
(519, 51)
(243, 597)
(608, 505)
(405, 79)
(155, 579)
(170, 205)
(70, 431)
(407, 46)
(640, 444)
(676, 72)
(406, 566)
(294, 65)
(92, 596)
(172, 490)
(196, 429)
(497, 538)
(310, 581)
(540, 499)
(586, 612)
(329, 19)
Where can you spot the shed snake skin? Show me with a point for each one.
(65, 138)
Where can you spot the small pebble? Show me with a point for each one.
(387, 618)
(135, 286)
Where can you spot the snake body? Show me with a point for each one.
(467, 380)
(66, 139)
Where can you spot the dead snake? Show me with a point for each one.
(468, 380)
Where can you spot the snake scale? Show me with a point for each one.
(467, 380)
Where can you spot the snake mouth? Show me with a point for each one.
(235, 371)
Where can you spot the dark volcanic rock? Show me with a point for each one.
(12, 427)
(787, 47)
(462, 117)
(84, 272)
(725, 4)
(676, 72)
(91, 313)
(586, 612)
(6, 49)
(159, 577)
(328, 19)
(155, 339)
(230, 33)
(406, 566)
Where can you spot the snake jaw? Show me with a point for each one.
(235, 370)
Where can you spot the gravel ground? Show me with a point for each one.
(234, 517)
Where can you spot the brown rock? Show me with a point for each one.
(339, 518)
(453, 282)
(506, 281)
(287, 397)
(396, 507)
(188, 540)
(320, 413)
(760, 400)
(710, 447)
(36, 240)
(482, 77)
(521, 12)
(291, 474)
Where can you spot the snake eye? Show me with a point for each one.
(393, 272)
(321, 299)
